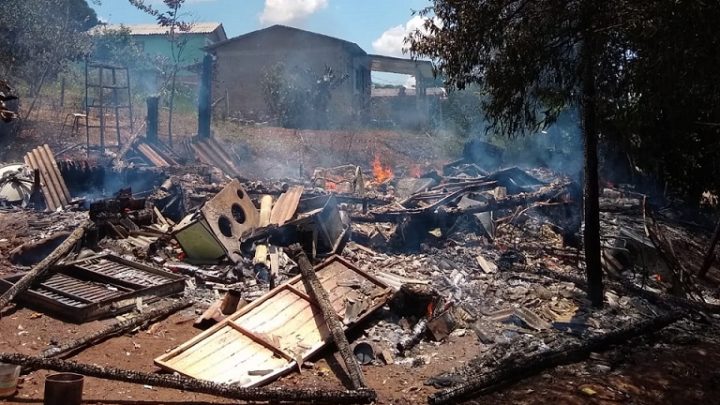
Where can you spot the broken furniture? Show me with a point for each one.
(96, 287)
(215, 230)
(277, 332)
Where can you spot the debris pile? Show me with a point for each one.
(282, 268)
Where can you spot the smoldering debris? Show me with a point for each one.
(470, 251)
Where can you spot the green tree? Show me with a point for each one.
(534, 59)
(172, 19)
(40, 38)
(300, 98)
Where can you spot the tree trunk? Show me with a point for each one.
(591, 201)
(172, 104)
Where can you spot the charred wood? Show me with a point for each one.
(191, 384)
(115, 329)
(663, 300)
(41, 268)
(710, 255)
(516, 369)
(320, 295)
(546, 194)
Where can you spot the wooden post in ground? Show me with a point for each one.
(321, 297)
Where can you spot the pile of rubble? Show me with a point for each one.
(278, 269)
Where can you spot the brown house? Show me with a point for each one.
(243, 62)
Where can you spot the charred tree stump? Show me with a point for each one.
(320, 295)
(42, 267)
(191, 384)
(513, 371)
(116, 328)
(710, 255)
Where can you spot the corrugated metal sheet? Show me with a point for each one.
(210, 152)
(268, 337)
(155, 29)
(154, 155)
(286, 205)
(52, 183)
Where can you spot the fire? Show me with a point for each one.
(381, 173)
(414, 171)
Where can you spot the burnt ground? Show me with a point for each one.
(674, 366)
(644, 372)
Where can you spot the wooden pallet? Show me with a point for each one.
(276, 332)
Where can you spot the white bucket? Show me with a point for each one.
(9, 374)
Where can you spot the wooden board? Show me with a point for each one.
(263, 340)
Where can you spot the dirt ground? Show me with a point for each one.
(647, 373)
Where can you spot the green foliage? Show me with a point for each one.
(461, 114)
(40, 38)
(117, 46)
(655, 73)
(300, 98)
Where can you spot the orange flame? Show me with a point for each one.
(330, 185)
(414, 171)
(381, 173)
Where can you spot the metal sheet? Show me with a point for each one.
(275, 331)
(286, 205)
(51, 181)
(151, 155)
(212, 153)
(96, 287)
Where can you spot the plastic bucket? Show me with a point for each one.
(9, 374)
(63, 389)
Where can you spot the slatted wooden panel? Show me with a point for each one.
(269, 334)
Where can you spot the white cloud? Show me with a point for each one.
(287, 11)
(391, 42)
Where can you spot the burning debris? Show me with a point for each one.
(284, 267)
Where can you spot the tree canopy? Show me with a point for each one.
(655, 68)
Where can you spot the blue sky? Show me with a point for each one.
(378, 26)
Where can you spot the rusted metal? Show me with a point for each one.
(229, 215)
(215, 231)
(152, 155)
(97, 286)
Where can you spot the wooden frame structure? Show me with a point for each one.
(275, 333)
